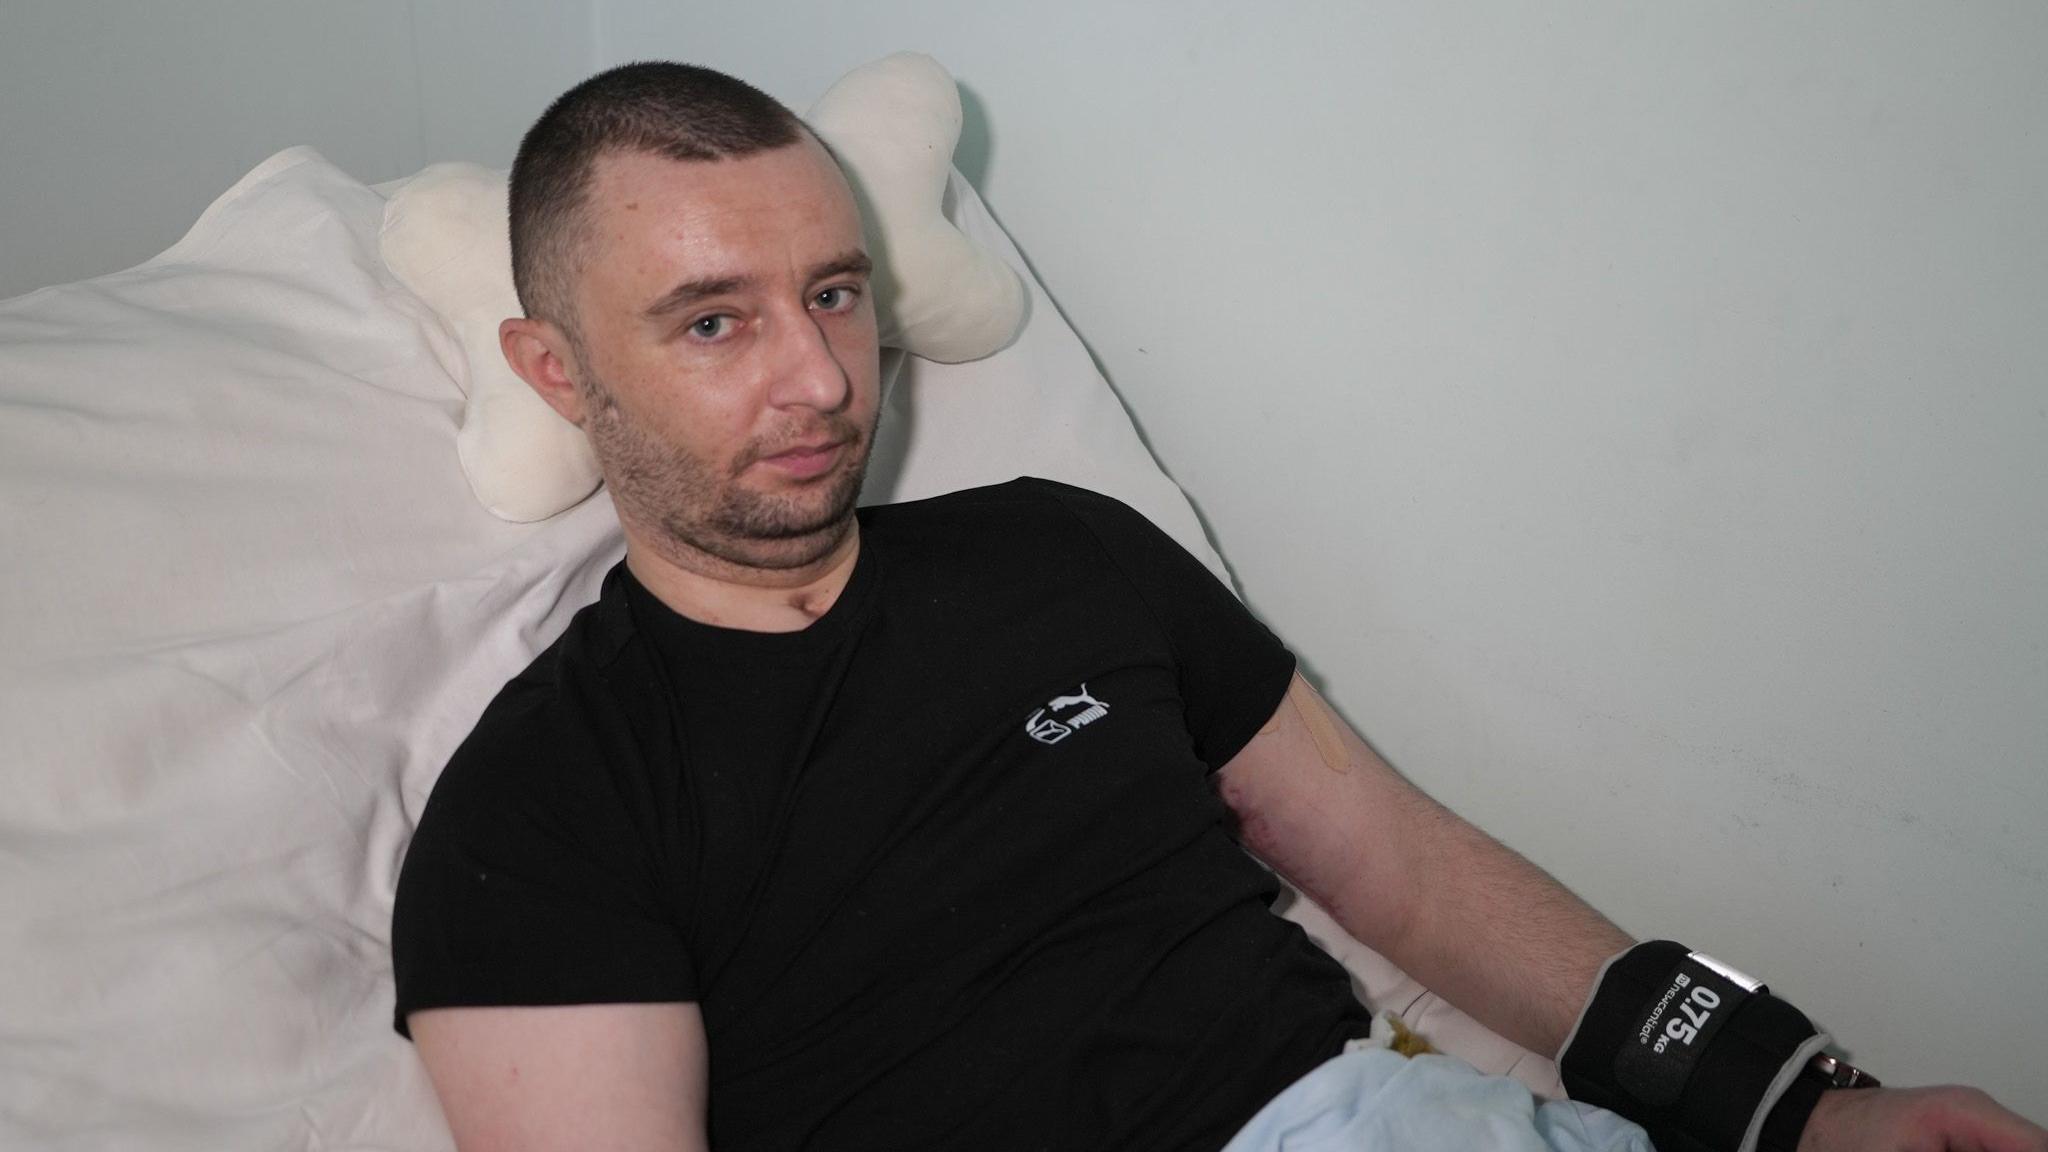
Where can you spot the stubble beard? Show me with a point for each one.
(695, 507)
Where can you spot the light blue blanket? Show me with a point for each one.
(1380, 1101)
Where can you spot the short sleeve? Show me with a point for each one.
(1233, 671)
(530, 879)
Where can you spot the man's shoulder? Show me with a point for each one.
(572, 694)
(1030, 531)
(994, 507)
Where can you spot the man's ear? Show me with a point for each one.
(539, 352)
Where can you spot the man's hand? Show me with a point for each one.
(1944, 1119)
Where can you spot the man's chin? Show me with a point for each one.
(787, 529)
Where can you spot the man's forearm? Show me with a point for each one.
(1491, 932)
(1404, 875)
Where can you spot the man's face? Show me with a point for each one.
(726, 352)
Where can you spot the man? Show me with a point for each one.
(912, 827)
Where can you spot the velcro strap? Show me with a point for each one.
(1658, 1058)
(1691, 1049)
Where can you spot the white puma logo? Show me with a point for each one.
(1081, 697)
(1051, 729)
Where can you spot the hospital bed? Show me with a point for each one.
(252, 604)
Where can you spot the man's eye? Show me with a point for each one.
(711, 327)
(835, 299)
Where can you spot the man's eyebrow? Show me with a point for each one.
(690, 291)
(854, 263)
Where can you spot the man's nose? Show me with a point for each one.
(807, 372)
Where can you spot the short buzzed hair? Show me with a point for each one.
(679, 111)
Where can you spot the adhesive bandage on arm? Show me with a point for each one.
(1315, 716)
(1322, 727)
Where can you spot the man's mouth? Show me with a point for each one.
(807, 460)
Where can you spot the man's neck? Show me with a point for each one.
(726, 595)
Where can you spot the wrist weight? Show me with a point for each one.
(1691, 1049)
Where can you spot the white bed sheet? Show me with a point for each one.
(251, 606)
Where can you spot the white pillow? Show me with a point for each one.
(893, 124)
(445, 236)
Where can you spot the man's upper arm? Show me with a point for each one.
(1325, 811)
(629, 1077)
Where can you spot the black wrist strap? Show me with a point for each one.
(1696, 1052)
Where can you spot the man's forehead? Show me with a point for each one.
(627, 179)
(662, 227)
(619, 172)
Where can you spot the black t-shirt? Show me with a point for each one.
(944, 869)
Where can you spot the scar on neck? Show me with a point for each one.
(1315, 716)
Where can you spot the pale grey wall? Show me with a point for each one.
(1636, 415)
(123, 119)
